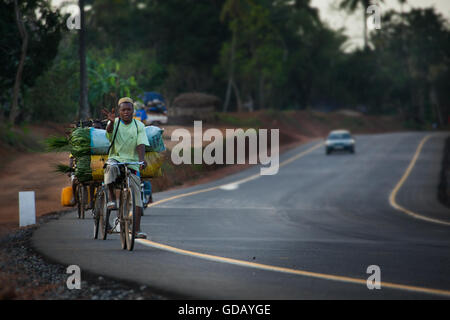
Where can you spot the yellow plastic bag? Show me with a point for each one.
(153, 170)
(154, 163)
(97, 163)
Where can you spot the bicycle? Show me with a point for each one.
(99, 211)
(85, 193)
(81, 195)
(126, 217)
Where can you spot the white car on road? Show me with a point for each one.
(339, 140)
(156, 119)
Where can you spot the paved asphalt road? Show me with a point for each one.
(319, 217)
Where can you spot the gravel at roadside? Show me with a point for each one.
(25, 274)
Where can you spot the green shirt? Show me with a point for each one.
(128, 138)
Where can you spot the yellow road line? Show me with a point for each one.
(290, 271)
(394, 192)
(282, 269)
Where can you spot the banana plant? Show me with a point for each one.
(106, 85)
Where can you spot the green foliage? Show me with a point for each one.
(177, 41)
(80, 142)
(56, 92)
(19, 138)
(62, 168)
(413, 55)
(282, 55)
(57, 144)
(144, 66)
(106, 86)
(80, 148)
(44, 27)
(83, 170)
(279, 54)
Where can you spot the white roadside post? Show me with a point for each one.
(27, 208)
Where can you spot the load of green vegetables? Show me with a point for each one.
(80, 143)
(89, 146)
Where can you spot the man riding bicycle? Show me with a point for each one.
(128, 141)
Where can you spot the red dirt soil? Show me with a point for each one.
(31, 172)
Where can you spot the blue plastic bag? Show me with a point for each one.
(155, 138)
(99, 141)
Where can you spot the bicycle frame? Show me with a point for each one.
(127, 223)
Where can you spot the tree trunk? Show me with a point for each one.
(230, 72)
(261, 91)
(435, 104)
(227, 95)
(84, 112)
(16, 91)
(420, 94)
(238, 96)
(365, 27)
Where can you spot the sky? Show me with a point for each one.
(353, 22)
(337, 19)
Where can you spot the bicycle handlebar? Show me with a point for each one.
(127, 163)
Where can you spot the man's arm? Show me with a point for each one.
(110, 126)
(111, 116)
(141, 152)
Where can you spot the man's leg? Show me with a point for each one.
(111, 173)
(111, 192)
(135, 182)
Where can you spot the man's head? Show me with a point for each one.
(126, 109)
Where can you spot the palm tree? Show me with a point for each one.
(402, 4)
(352, 5)
(234, 10)
(84, 112)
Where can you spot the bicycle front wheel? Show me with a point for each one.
(96, 214)
(123, 240)
(129, 217)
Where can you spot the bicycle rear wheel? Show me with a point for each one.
(81, 199)
(99, 213)
(96, 214)
(105, 223)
